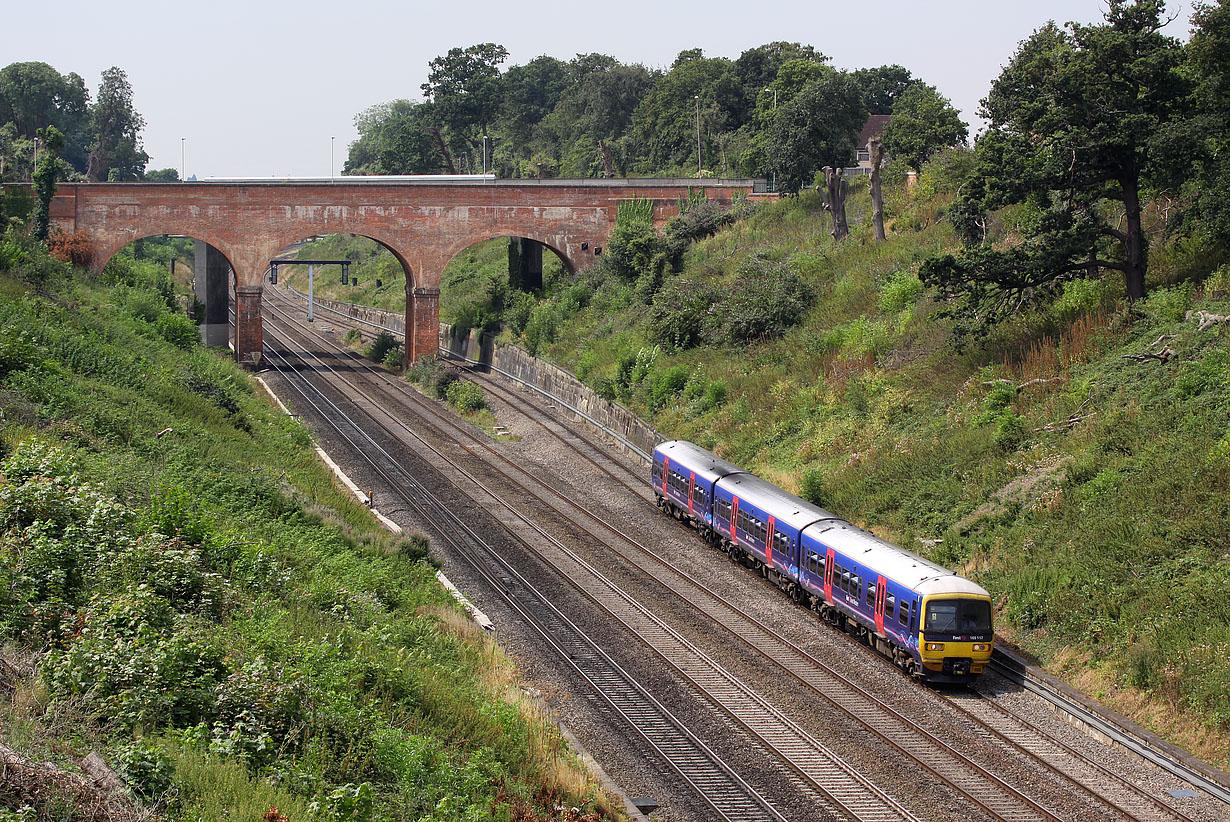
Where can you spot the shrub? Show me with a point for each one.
(902, 290)
(466, 397)
(74, 249)
(352, 336)
(812, 486)
(424, 371)
(444, 380)
(769, 299)
(1168, 305)
(665, 385)
(542, 329)
(393, 357)
(379, 347)
(178, 329)
(682, 313)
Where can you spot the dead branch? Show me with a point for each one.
(1164, 356)
(1207, 319)
(1069, 423)
(1022, 386)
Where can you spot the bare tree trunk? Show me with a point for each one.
(835, 201)
(443, 148)
(877, 195)
(608, 162)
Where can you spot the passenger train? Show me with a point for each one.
(931, 622)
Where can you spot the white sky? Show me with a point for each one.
(258, 87)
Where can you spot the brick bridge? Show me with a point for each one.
(424, 223)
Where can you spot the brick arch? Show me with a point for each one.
(104, 250)
(390, 244)
(554, 242)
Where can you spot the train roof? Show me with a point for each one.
(782, 506)
(892, 562)
(703, 463)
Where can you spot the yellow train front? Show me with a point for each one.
(955, 637)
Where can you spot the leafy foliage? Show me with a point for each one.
(923, 123)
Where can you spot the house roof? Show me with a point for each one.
(872, 128)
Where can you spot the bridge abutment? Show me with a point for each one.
(211, 287)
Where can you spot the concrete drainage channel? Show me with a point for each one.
(1075, 708)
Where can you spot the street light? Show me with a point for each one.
(331, 139)
(182, 168)
(699, 167)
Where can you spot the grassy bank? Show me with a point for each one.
(1076, 461)
(184, 589)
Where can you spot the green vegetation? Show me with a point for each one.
(779, 108)
(100, 141)
(184, 588)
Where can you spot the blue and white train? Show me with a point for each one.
(929, 621)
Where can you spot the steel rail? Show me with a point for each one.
(709, 676)
(611, 685)
(922, 755)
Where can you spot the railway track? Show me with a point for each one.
(714, 783)
(821, 772)
(1113, 797)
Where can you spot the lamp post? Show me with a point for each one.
(699, 166)
(331, 139)
(182, 167)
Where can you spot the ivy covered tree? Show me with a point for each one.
(1083, 122)
(45, 175)
(116, 153)
(1210, 61)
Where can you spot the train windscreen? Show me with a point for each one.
(959, 616)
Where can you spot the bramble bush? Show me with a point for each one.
(466, 397)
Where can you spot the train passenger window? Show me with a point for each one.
(657, 471)
(903, 616)
(890, 605)
(845, 581)
(871, 594)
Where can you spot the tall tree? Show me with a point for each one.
(464, 87)
(116, 153)
(923, 123)
(882, 86)
(665, 123)
(531, 92)
(34, 95)
(1081, 122)
(817, 127)
(394, 138)
(1210, 59)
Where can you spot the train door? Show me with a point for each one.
(734, 518)
(881, 593)
(829, 562)
(768, 543)
(666, 472)
(691, 490)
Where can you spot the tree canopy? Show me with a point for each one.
(1081, 121)
(923, 122)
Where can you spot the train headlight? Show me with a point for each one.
(935, 646)
(981, 646)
